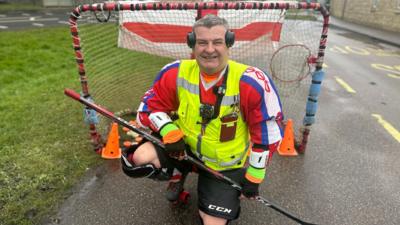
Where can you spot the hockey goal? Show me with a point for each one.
(121, 46)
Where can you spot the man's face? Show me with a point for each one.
(210, 50)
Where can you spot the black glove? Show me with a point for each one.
(173, 140)
(250, 189)
(176, 149)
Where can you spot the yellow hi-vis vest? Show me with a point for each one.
(207, 147)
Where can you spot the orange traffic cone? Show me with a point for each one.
(287, 145)
(112, 149)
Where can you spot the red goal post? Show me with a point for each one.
(120, 46)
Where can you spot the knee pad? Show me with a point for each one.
(134, 171)
(146, 171)
(162, 175)
(138, 171)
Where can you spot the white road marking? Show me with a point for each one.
(48, 14)
(63, 22)
(3, 27)
(32, 19)
(19, 18)
(26, 14)
(28, 19)
(2, 15)
(38, 24)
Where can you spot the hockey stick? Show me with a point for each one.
(158, 142)
(237, 186)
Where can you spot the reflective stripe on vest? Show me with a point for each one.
(194, 89)
(217, 155)
(223, 164)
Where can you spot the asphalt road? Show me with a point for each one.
(16, 20)
(349, 174)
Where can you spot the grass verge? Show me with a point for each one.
(4, 7)
(44, 149)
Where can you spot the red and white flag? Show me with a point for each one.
(163, 32)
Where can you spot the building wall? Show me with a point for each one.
(382, 14)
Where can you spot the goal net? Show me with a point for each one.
(121, 46)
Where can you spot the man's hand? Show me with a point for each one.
(250, 189)
(176, 150)
(173, 140)
(255, 173)
(171, 135)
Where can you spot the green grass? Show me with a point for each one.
(117, 77)
(18, 6)
(44, 143)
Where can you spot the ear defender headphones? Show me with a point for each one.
(229, 39)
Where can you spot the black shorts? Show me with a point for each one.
(216, 198)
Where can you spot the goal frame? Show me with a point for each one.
(75, 15)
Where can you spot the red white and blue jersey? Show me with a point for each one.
(260, 105)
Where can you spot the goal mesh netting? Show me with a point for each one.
(121, 46)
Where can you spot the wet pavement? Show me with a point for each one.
(349, 174)
(389, 37)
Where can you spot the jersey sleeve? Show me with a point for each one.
(162, 95)
(262, 111)
(261, 107)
